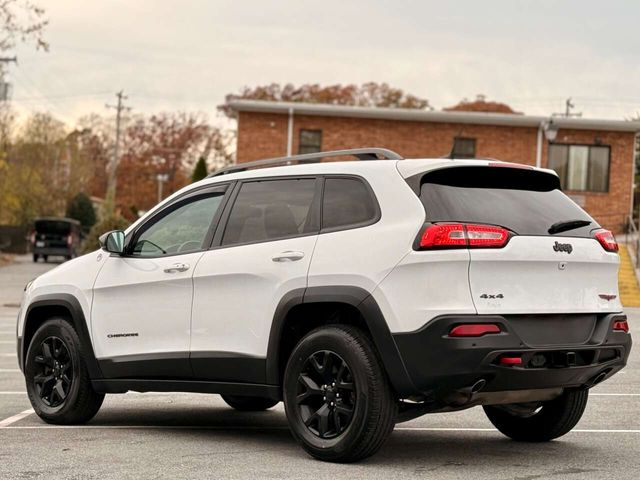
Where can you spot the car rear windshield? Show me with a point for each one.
(527, 202)
(53, 227)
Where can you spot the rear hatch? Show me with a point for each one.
(532, 250)
(52, 234)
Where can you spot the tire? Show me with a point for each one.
(553, 419)
(355, 401)
(45, 258)
(36, 258)
(67, 368)
(249, 404)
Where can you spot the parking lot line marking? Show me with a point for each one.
(614, 394)
(168, 394)
(453, 429)
(17, 417)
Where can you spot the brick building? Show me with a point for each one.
(594, 158)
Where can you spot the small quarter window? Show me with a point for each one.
(346, 202)
(271, 209)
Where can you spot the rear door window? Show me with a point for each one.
(527, 202)
(346, 203)
(270, 210)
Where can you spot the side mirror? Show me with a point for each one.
(113, 242)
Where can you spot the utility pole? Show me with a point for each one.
(110, 200)
(161, 179)
(4, 86)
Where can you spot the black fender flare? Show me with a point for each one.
(362, 300)
(70, 303)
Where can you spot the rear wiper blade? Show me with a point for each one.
(567, 225)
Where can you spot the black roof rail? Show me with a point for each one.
(359, 153)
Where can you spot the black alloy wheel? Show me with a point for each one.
(337, 397)
(326, 396)
(54, 379)
(57, 380)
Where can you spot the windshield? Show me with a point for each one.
(527, 202)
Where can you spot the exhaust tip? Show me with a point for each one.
(599, 378)
(479, 385)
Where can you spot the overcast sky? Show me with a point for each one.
(188, 54)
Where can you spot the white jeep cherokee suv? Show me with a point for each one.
(360, 293)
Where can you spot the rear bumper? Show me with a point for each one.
(62, 251)
(441, 366)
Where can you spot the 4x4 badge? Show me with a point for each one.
(563, 247)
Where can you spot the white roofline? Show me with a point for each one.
(407, 114)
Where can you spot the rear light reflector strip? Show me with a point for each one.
(474, 330)
(511, 361)
(621, 326)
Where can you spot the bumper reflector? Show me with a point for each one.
(511, 361)
(474, 330)
(621, 326)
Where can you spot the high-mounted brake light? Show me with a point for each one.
(510, 165)
(474, 330)
(461, 235)
(607, 240)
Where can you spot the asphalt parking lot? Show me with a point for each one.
(198, 436)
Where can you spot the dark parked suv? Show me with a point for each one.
(55, 236)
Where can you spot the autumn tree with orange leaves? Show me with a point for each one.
(370, 94)
(168, 143)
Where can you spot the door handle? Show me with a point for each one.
(288, 256)
(177, 267)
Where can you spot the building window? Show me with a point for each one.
(464, 147)
(581, 167)
(310, 141)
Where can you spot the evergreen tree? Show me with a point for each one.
(80, 208)
(200, 170)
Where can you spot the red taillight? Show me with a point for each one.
(32, 237)
(621, 326)
(69, 239)
(474, 330)
(444, 235)
(460, 235)
(607, 240)
(486, 236)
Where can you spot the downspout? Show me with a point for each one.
(539, 145)
(633, 176)
(290, 133)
